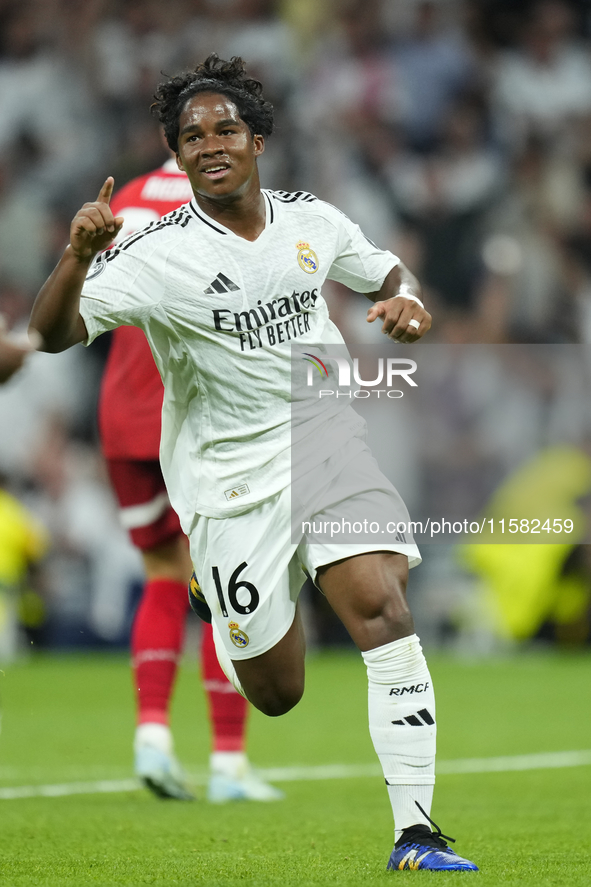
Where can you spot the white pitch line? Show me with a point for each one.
(543, 761)
(13, 793)
(505, 764)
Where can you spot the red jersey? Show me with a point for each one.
(130, 403)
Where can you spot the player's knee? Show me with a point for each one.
(274, 681)
(387, 606)
(273, 700)
(278, 706)
(379, 618)
(401, 623)
(396, 615)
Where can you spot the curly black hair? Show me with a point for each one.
(214, 75)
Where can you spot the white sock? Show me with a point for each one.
(229, 763)
(402, 726)
(155, 735)
(226, 664)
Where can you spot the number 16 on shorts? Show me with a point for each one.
(242, 596)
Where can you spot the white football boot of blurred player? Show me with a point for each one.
(156, 765)
(231, 776)
(233, 779)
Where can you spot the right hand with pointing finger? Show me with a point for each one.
(94, 227)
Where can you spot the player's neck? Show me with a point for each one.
(244, 214)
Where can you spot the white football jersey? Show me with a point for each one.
(221, 315)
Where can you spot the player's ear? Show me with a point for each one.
(179, 162)
(259, 144)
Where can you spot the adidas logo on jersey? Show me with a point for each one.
(241, 490)
(422, 718)
(221, 284)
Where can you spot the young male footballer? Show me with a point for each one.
(223, 288)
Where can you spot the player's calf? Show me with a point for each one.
(368, 594)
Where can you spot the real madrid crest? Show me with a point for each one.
(239, 638)
(307, 258)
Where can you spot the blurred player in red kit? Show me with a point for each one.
(129, 419)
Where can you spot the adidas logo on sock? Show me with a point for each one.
(421, 718)
(221, 284)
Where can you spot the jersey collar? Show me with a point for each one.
(269, 217)
(194, 206)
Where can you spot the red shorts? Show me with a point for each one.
(144, 507)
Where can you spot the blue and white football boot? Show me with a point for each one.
(418, 848)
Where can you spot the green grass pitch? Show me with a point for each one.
(70, 719)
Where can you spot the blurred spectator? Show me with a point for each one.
(544, 85)
(435, 65)
(13, 352)
(444, 196)
(577, 263)
(528, 585)
(345, 108)
(257, 33)
(47, 384)
(23, 542)
(24, 220)
(44, 105)
(541, 199)
(91, 567)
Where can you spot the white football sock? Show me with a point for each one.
(226, 664)
(229, 763)
(402, 726)
(155, 735)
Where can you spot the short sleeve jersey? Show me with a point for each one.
(220, 314)
(130, 403)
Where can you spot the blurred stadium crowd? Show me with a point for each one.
(457, 134)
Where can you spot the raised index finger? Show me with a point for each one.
(106, 191)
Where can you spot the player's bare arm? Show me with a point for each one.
(56, 314)
(404, 318)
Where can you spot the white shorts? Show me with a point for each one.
(251, 567)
